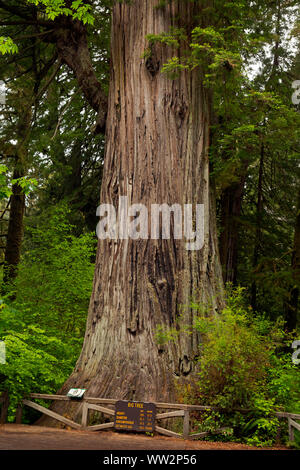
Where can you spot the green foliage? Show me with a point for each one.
(55, 274)
(284, 382)
(79, 9)
(51, 9)
(172, 38)
(163, 335)
(26, 183)
(222, 41)
(5, 192)
(242, 362)
(44, 327)
(7, 46)
(234, 355)
(35, 360)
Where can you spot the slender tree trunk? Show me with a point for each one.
(72, 186)
(14, 235)
(156, 152)
(291, 308)
(17, 206)
(231, 205)
(258, 234)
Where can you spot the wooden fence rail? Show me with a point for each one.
(293, 425)
(101, 405)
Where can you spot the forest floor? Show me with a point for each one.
(23, 437)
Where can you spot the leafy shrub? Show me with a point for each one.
(241, 366)
(35, 361)
(235, 355)
(43, 328)
(55, 275)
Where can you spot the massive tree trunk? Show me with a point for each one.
(156, 152)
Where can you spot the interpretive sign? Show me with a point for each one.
(135, 416)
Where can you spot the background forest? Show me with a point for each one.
(52, 154)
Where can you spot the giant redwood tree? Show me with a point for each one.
(157, 140)
(157, 143)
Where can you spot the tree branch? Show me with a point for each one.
(72, 47)
(70, 37)
(29, 36)
(6, 209)
(14, 10)
(63, 112)
(21, 13)
(26, 23)
(49, 81)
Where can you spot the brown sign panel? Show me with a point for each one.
(135, 416)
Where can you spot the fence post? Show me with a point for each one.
(4, 408)
(291, 430)
(19, 413)
(84, 417)
(186, 424)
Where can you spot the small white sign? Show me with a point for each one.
(296, 94)
(76, 392)
(2, 353)
(2, 92)
(296, 354)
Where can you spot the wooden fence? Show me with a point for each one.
(105, 406)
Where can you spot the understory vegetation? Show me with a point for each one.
(245, 371)
(245, 358)
(43, 327)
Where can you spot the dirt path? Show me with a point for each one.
(22, 437)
